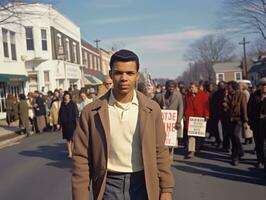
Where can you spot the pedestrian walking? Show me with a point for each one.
(257, 121)
(84, 100)
(9, 109)
(238, 119)
(23, 113)
(172, 100)
(40, 112)
(54, 111)
(197, 105)
(215, 111)
(68, 116)
(119, 143)
(31, 110)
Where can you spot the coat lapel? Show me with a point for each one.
(144, 113)
(104, 118)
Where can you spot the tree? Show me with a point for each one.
(15, 11)
(206, 51)
(247, 15)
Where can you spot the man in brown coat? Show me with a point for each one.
(119, 142)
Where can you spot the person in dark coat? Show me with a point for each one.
(68, 116)
(257, 121)
(40, 112)
(23, 113)
(216, 108)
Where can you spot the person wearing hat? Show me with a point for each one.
(119, 144)
(257, 116)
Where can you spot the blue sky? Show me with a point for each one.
(158, 31)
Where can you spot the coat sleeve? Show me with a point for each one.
(163, 159)
(180, 108)
(80, 174)
(244, 113)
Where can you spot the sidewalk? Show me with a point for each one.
(9, 134)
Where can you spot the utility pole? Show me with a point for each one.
(245, 67)
(97, 41)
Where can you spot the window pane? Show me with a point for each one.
(44, 35)
(30, 45)
(46, 77)
(4, 33)
(44, 45)
(5, 45)
(12, 38)
(13, 52)
(29, 33)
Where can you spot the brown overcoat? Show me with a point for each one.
(91, 148)
(23, 113)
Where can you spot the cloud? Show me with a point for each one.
(166, 42)
(124, 19)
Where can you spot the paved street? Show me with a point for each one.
(37, 168)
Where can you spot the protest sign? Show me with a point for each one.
(169, 120)
(197, 127)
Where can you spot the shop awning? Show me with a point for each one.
(92, 80)
(12, 77)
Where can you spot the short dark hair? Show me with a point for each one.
(67, 93)
(22, 96)
(233, 84)
(170, 82)
(83, 90)
(124, 55)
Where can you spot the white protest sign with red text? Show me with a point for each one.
(169, 120)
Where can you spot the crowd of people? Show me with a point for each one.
(55, 111)
(233, 109)
(233, 106)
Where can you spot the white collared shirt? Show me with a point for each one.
(125, 145)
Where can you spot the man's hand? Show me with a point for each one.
(177, 125)
(245, 125)
(58, 126)
(166, 196)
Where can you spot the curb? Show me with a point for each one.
(9, 141)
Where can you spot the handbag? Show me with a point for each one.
(248, 133)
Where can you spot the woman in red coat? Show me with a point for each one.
(197, 105)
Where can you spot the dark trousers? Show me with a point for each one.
(212, 128)
(235, 132)
(226, 131)
(261, 143)
(125, 186)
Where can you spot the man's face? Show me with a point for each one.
(263, 88)
(230, 89)
(171, 88)
(194, 89)
(108, 83)
(124, 76)
(83, 96)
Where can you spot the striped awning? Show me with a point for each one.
(92, 80)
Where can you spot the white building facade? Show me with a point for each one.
(41, 51)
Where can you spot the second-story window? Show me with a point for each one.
(44, 39)
(5, 42)
(67, 50)
(74, 52)
(29, 38)
(60, 52)
(13, 45)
